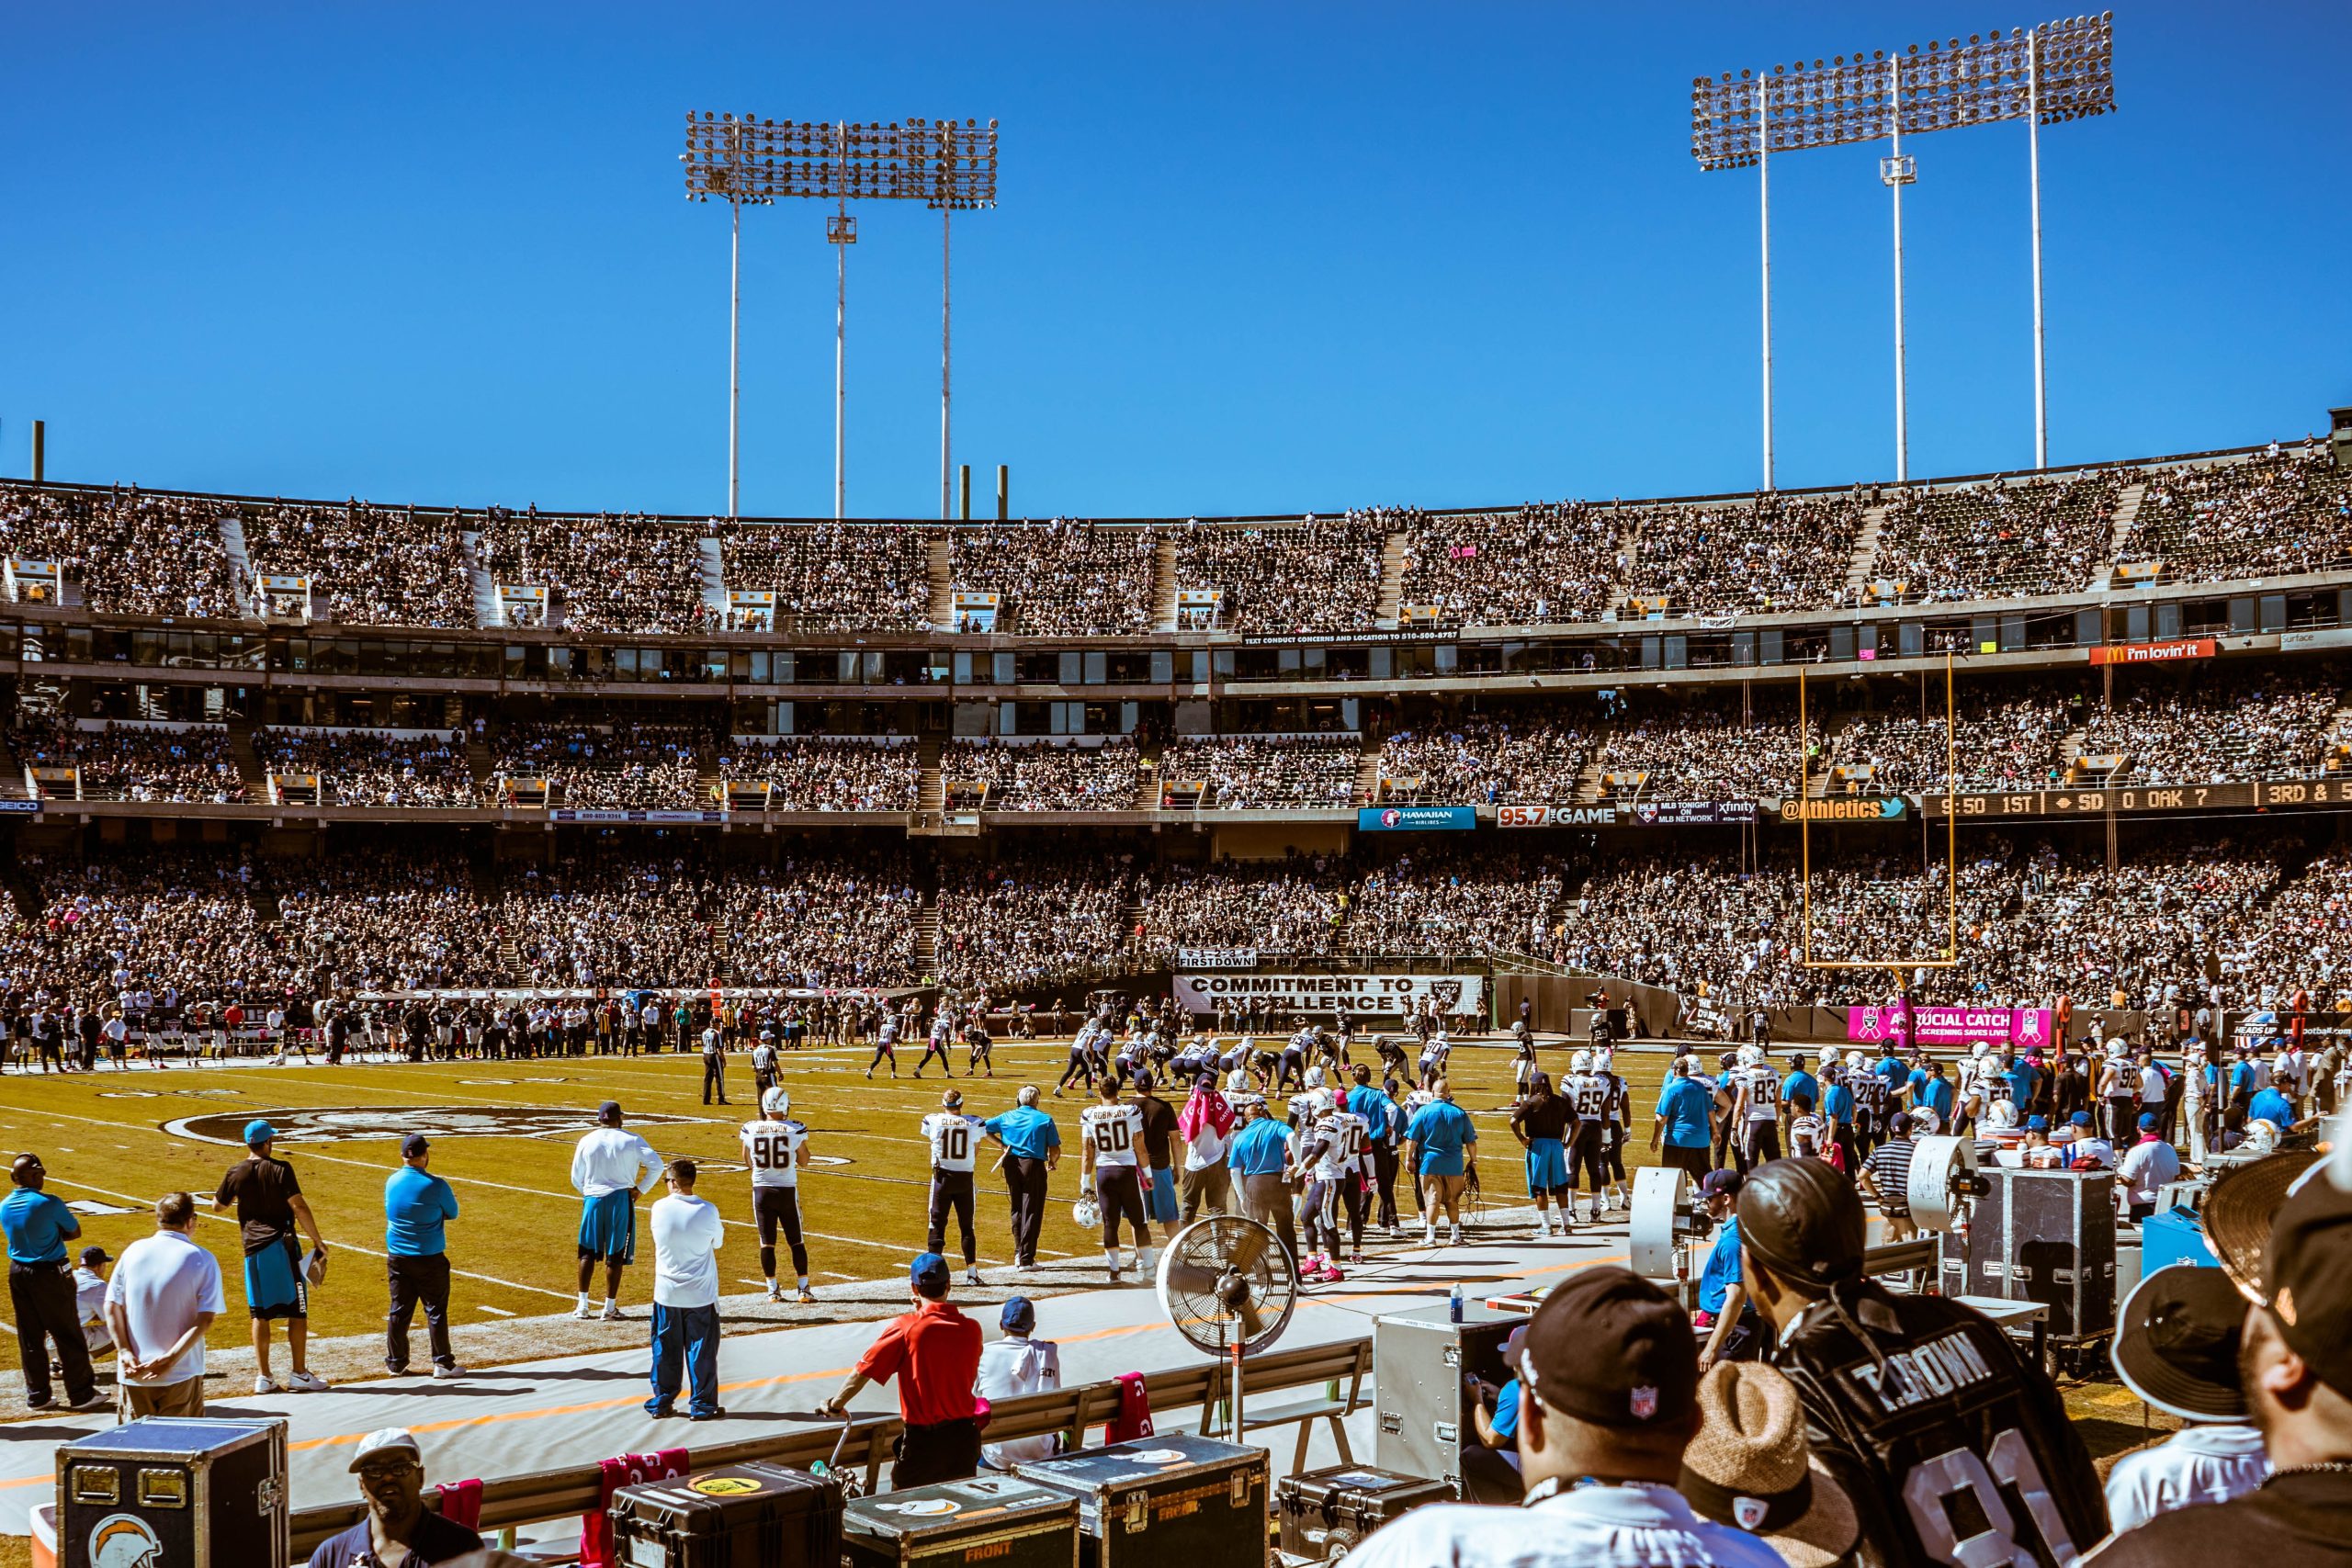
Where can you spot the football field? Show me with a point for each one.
(503, 1133)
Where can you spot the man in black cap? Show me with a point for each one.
(2295, 1365)
(1609, 1375)
(1917, 1406)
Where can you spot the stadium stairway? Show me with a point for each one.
(1389, 608)
(1368, 776)
(241, 569)
(1148, 775)
(485, 592)
(927, 935)
(250, 772)
(1163, 586)
(931, 788)
(943, 585)
(2127, 512)
(714, 585)
(1589, 781)
(1858, 568)
(479, 761)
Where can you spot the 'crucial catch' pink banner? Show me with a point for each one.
(2022, 1027)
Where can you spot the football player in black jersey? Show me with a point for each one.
(1955, 1449)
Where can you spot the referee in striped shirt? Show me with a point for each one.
(1886, 1176)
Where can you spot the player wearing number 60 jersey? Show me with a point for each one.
(1111, 1152)
(1954, 1448)
(955, 1140)
(776, 1149)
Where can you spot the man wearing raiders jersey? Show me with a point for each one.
(1954, 1448)
(1111, 1154)
(955, 1140)
(775, 1147)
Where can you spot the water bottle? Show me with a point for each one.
(1453, 1304)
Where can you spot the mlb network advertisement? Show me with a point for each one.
(1398, 993)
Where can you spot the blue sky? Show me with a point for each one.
(1248, 257)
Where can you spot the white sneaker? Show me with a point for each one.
(266, 1385)
(972, 1277)
(1429, 1236)
(583, 1312)
(451, 1370)
(775, 1293)
(613, 1313)
(306, 1382)
(806, 1297)
(1453, 1238)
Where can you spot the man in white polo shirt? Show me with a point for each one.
(687, 1235)
(163, 1296)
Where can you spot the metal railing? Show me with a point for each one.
(544, 1495)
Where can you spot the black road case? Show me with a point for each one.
(210, 1494)
(737, 1516)
(1001, 1520)
(2041, 1235)
(1175, 1501)
(1326, 1513)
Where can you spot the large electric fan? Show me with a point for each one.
(1230, 1287)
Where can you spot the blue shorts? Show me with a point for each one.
(1547, 1166)
(1160, 1197)
(274, 1282)
(608, 1227)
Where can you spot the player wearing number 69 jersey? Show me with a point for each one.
(776, 1149)
(1953, 1447)
(955, 1140)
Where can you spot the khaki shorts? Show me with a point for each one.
(184, 1398)
(1443, 1189)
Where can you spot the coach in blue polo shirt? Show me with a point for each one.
(1798, 1082)
(1258, 1158)
(1033, 1147)
(1444, 1146)
(41, 1287)
(1683, 1108)
(417, 1205)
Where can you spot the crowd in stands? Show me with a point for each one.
(167, 919)
(1319, 575)
(1483, 760)
(2270, 515)
(192, 763)
(833, 577)
(625, 766)
(132, 554)
(1701, 754)
(2268, 724)
(1259, 773)
(615, 573)
(844, 918)
(367, 565)
(1042, 776)
(608, 921)
(1290, 907)
(1060, 578)
(817, 772)
(1773, 554)
(2005, 539)
(1548, 561)
(1992, 744)
(1458, 901)
(384, 917)
(1035, 919)
(366, 767)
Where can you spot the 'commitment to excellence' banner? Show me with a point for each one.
(2021, 1027)
(1331, 993)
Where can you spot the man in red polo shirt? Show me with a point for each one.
(934, 1352)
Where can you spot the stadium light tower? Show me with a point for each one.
(719, 162)
(2056, 72)
(938, 163)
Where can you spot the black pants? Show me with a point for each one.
(952, 1189)
(1120, 1193)
(940, 1051)
(1266, 1198)
(1690, 1158)
(1762, 1144)
(1081, 1066)
(714, 1076)
(1384, 1176)
(1584, 1155)
(418, 1281)
(41, 1295)
(2122, 1121)
(777, 1208)
(945, 1451)
(882, 1054)
(1024, 1180)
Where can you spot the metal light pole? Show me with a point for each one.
(2060, 71)
(720, 162)
(841, 232)
(734, 355)
(945, 317)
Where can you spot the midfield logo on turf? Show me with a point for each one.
(377, 1124)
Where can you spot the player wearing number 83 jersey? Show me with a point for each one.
(1954, 1449)
(776, 1149)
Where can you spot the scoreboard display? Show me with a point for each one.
(2257, 795)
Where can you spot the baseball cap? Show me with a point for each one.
(413, 1146)
(387, 1441)
(2177, 1343)
(2148, 1123)
(94, 1256)
(2036, 1124)
(928, 1273)
(1608, 1346)
(609, 1113)
(2307, 1277)
(1720, 1184)
(1802, 1218)
(1018, 1317)
(1899, 1123)
(258, 1132)
(2079, 1119)
(1750, 1467)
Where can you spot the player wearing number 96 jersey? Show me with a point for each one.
(955, 1140)
(1954, 1448)
(775, 1147)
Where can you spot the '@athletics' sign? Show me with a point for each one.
(379, 1123)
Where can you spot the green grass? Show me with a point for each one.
(103, 1137)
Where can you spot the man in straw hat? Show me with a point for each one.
(1609, 1375)
(2294, 1362)
(1751, 1467)
(1919, 1406)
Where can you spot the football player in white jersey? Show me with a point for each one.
(1756, 1108)
(1588, 1096)
(1109, 1137)
(1616, 1126)
(942, 1034)
(775, 1147)
(1331, 1150)
(955, 1140)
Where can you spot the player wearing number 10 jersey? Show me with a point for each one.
(776, 1149)
(955, 1140)
(1953, 1448)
